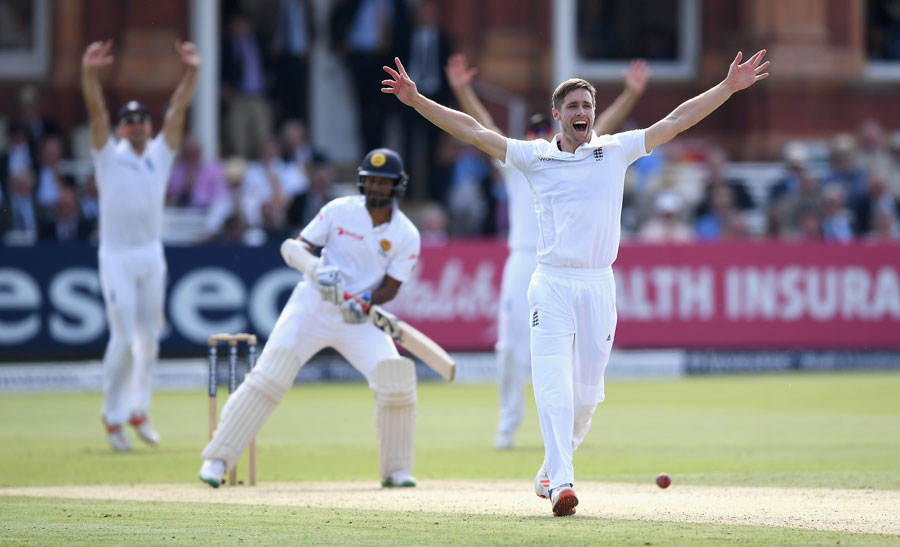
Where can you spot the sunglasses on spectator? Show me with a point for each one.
(135, 117)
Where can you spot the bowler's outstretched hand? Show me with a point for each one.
(741, 76)
(636, 77)
(97, 55)
(401, 84)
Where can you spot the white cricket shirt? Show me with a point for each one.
(523, 223)
(363, 252)
(132, 191)
(578, 195)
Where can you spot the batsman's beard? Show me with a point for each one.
(378, 201)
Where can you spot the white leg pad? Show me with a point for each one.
(249, 407)
(395, 414)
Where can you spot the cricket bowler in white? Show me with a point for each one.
(513, 324)
(577, 180)
(132, 174)
(370, 249)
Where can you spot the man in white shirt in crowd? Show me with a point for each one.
(577, 179)
(132, 174)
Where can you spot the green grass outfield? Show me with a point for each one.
(813, 430)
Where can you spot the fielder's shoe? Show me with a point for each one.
(211, 472)
(503, 441)
(542, 483)
(399, 478)
(145, 430)
(117, 438)
(564, 500)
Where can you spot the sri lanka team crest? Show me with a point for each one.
(377, 161)
(385, 244)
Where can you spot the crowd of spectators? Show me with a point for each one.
(269, 181)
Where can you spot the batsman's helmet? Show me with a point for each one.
(383, 162)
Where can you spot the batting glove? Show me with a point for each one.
(331, 286)
(356, 310)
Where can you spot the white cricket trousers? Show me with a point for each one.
(133, 283)
(573, 324)
(514, 338)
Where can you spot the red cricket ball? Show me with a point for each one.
(663, 480)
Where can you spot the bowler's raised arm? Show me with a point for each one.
(460, 125)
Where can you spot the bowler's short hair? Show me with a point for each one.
(572, 84)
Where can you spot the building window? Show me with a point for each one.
(596, 39)
(883, 39)
(24, 38)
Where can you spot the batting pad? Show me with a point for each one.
(248, 408)
(395, 414)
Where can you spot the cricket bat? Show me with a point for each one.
(414, 341)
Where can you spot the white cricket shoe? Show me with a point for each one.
(563, 500)
(399, 478)
(211, 472)
(145, 430)
(503, 441)
(542, 483)
(117, 438)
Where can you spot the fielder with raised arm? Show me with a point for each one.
(513, 336)
(132, 174)
(370, 249)
(577, 179)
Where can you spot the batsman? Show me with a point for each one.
(369, 249)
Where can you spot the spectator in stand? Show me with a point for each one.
(225, 210)
(50, 181)
(368, 34)
(321, 190)
(836, 225)
(667, 226)
(434, 225)
(722, 221)
(248, 117)
(66, 224)
(37, 125)
(262, 197)
(466, 199)
(195, 181)
(809, 225)
(873, 153)
(796, 159)
(885, 228)
(844, 169)
(788, 210)
(291, 49)
(89, 204)
(20, 218)
(894, 169)
(17, 157)
(298, 156)
(429, 51)
(876, 200)
(716, 175)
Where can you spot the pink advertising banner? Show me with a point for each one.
(734, 296)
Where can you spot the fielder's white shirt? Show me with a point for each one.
(132, 191)
(578, 195)
(364, 253)
(523, 223)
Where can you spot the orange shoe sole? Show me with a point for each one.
(565, 505)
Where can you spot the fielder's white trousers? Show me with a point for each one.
(514, 338)
(133, 283)
(573, 324)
